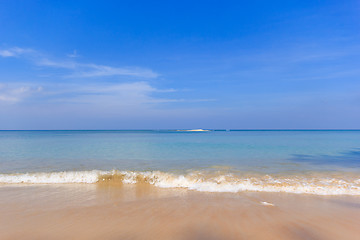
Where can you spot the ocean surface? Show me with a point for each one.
(304, 162)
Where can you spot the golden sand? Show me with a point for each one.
(142, 211)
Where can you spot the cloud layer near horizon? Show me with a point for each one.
(133, 91)
(77, 69)
(82, 87)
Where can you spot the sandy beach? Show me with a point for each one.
(142, 211)
(186, 120)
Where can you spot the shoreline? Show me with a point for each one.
(222, 181)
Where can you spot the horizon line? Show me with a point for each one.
(212, 129)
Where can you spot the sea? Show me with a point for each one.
(317, 162)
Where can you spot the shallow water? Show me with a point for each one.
(316, 162)
(264, 151)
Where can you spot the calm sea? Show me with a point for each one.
(318, 162)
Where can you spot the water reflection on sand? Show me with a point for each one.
(142, 211)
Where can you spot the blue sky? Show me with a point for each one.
(187, 64)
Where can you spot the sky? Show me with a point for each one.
(180, 64)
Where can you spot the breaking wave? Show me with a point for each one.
(198, 181)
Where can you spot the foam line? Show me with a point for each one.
(197, 181)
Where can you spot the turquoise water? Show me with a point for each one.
(306, 162)
(257, 151)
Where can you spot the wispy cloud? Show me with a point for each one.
(14, 52)
(137, 93)
(55, 64)
(123, 94)
(129, 95)
(74, 54)
(94, 70)
(16, 94)
(78, 69)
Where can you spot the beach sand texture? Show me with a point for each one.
(143, 211)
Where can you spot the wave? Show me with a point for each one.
(53, 177)
(194, 130)
(198, 181)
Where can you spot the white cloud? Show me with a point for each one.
(74, 54)
(124, 94)
(137, 93)
(93, 70)
(56, 64)
(14, 52)
(83, 70)
(130, 96)
(17, 93)
(78, 69)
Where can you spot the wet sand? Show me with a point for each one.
(142, 211)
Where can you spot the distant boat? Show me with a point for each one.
(194, 130)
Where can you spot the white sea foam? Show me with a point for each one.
(267, 204)
(198, 181)
(53, 177)
(194, 130)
